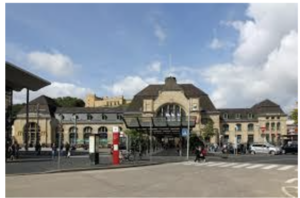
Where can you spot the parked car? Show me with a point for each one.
(265, 148)
(292, 148)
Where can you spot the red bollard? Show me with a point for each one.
(116, 159)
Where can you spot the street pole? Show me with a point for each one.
(59, 141)
(151, 141)
(75, 128)
(188, 133)
(37, 123)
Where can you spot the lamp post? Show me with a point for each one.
(188, 133)
(75, 127)
(151, 140)
(61, 118)
(37, 124)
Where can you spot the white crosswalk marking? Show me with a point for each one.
(269, 167)
(285, 168)
(255, 166)
(228, 164)
(245, 166)
(242, 165)
(217, 164)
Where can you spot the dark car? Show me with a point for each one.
(292, 148)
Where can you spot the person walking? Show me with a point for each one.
(68, 152)
(203, 153)
(197, 152)
(54, 149)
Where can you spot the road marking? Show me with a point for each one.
(269, 167)
(254, 166)
(228, 164)
(284, 190)
(285, 167)
(242, 165)
(291, 180)
(203, 164)
(216, 164)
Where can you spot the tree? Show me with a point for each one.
(16, 108)
(294, 115)
(208, 130)
(69, 102)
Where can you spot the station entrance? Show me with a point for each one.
(165, 135)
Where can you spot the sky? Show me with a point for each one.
(239, 54)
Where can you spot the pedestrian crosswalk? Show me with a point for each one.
(248, 166)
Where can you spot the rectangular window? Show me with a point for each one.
(238, 116)
(250, 139)
(239, 138)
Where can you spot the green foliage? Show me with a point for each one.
(16, 108)
(208, 130)
(195, 141)
(69, 102)
(294, 115)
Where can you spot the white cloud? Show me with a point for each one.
(216, 44)
(56, 63)
(269, 24)
(128, 86)
(265, 61)
(159, 32)
(56, 89)
(155, 66)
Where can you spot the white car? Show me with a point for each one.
(265, 148)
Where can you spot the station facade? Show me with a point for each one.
(166, 106)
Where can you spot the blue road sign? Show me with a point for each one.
(184, 132)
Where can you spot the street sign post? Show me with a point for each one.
(184, 132)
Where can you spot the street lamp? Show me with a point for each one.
(60, 130)
(75, 127)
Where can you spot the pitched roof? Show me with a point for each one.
(152, 92)
(267, 106)
(46, 105)
(119, 109)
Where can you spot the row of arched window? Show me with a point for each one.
(73, 134)
(250, 127)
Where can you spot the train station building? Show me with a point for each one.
(166, 110)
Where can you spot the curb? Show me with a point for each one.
(92, 168)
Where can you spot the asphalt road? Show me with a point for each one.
(182, 179)
(43, 164)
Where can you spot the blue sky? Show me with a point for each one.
(107, 48)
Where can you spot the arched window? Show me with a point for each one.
(250, 127)
(267, 126)
(73, 135)
(278, 126)
(238, 127)
(103, 132)
(57, 132)
(225, 127)
(33, 133)
(171, 112)
(86, 134)
(273, 126)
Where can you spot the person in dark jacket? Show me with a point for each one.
(68, 152)
(197, 152)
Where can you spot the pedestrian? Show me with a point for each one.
(17, 148)
(61, 148)
(13, 152)
(203, 153)
(54, 149)
(197, 152)
(68, 152)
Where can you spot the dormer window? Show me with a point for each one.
(89, 117)
(225, 116)
(238, 116)
(250, 116)
(104, 117)
(119, 117)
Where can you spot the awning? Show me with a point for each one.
(18, 79)
(159, 125)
